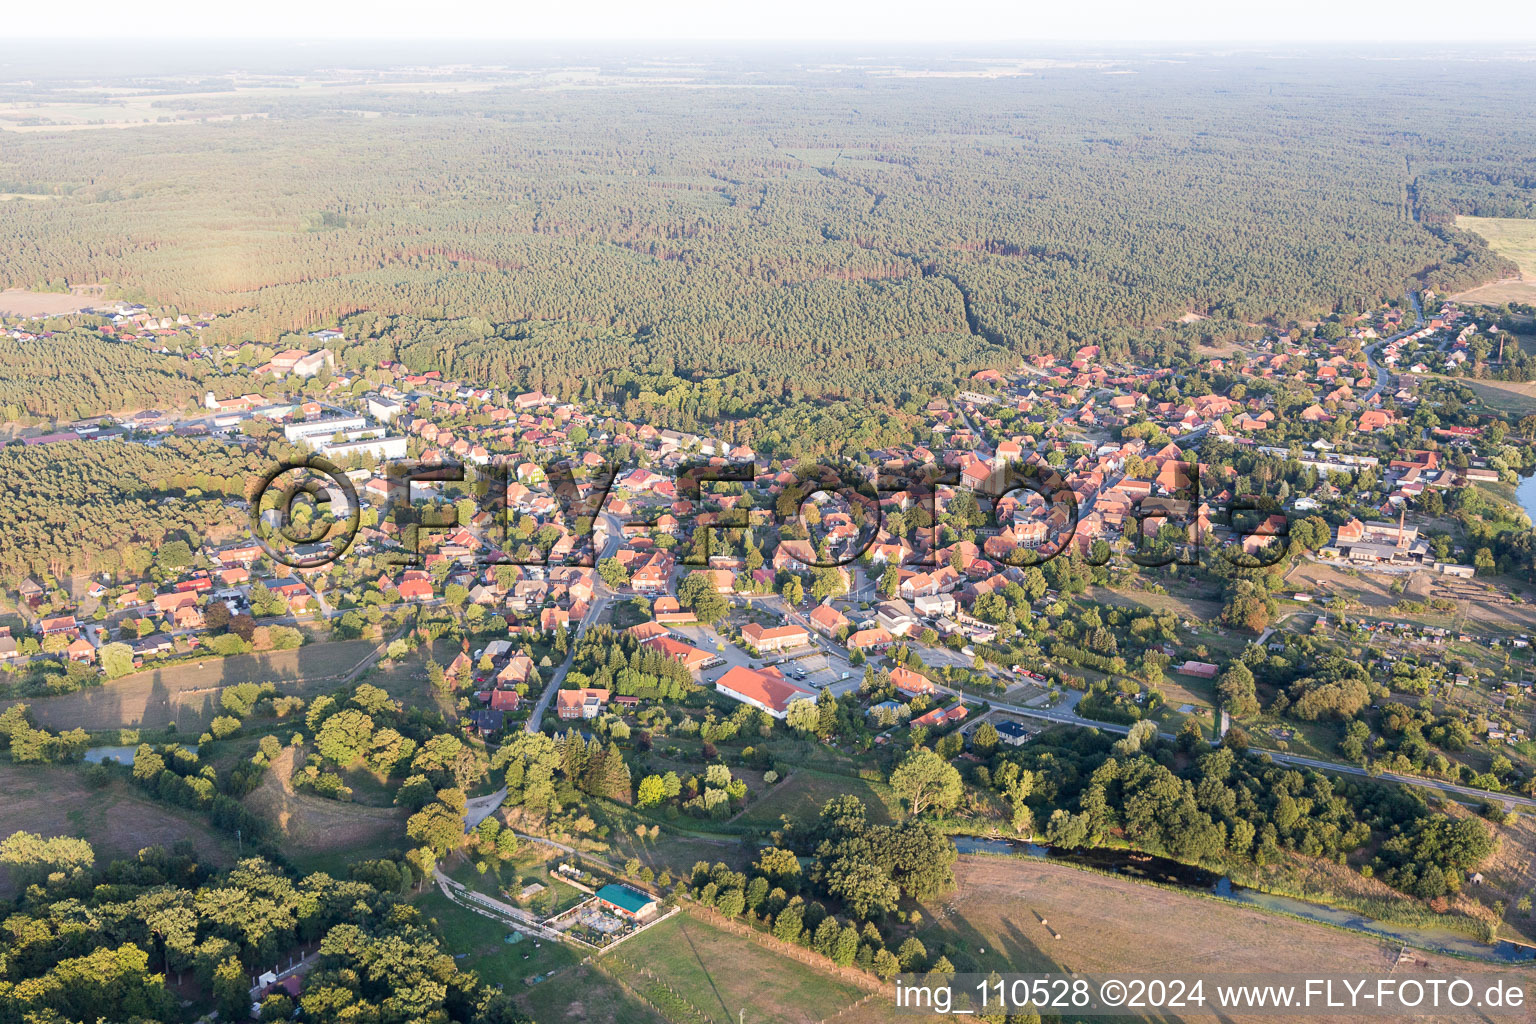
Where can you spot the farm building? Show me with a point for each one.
(627, 902)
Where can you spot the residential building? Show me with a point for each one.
(776, 638)
(586, 703)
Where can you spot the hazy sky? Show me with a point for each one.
(1350, 22)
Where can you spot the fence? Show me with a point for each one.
(677, 1009)
(805, 956)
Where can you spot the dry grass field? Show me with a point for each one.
(806, 792)
(17, 302)
(188, 694)
(117, 821)
(1508, 876)
(1515, 239)
(1014, 909)
(323, 834)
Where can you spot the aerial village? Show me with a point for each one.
(770, 609)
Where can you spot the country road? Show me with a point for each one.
(1070, 716)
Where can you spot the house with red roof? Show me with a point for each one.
(911, 683)
(64, 623)
(587, 703)
(941, 716)
(505, 700)
(765, 689)
(876, 639)
(689, 656)
(416, 586)
(774, 638)
(827, 620)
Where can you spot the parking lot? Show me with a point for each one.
(816, 669)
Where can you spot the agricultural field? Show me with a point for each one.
(188, 694)
(720, 973)
(116, 820)
(1511, 237)
(321, 834)
(16, 302)
(1515, 239)
(1032, 915)
(1518, 398)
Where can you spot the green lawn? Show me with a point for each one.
(479, 944)
(584, 995)
(721, 974)
(525, 866)
(805, 792)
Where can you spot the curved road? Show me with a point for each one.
(1381, 371)
(1069, 716)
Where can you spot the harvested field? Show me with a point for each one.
(1109, 924)
(323, 834)
(17, 302)
(1514, 238)
(188, 694)
(1522, 289)
(54, 800)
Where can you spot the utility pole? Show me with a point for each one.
(240, 844)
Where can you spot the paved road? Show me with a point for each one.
(1381, 371)
(1069, 716)
(602, 597)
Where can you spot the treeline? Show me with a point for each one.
(77, 373)
(106, 506)
(1486, 188)
(622, 664)
(167, 911)
(862, 869)
(1214, 806)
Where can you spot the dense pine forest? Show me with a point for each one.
(818, 230)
